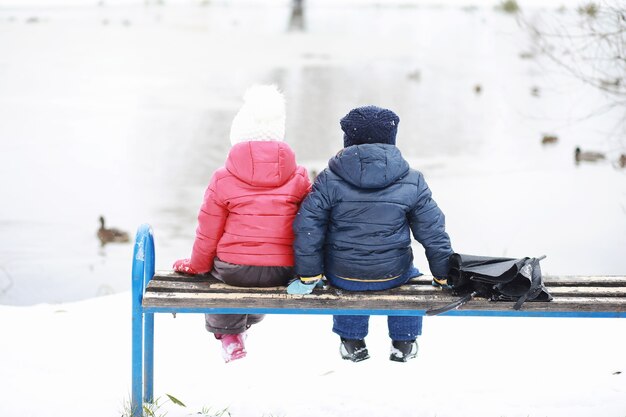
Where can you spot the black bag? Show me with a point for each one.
(497, 279)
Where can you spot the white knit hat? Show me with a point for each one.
(262, 116)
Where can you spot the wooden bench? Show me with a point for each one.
(170, 292)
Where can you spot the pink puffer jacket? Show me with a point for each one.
(248, 210)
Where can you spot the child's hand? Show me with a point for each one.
(184, 266)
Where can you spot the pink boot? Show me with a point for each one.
(232, 346)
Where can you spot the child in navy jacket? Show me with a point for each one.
(355, 228)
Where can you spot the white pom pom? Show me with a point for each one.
(262, 116)
(264, 102)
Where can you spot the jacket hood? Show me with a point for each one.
(369, 165)
(264, 164)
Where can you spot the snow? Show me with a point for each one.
(124, 110)
(74, 359)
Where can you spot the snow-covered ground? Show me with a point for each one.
(74, 360)
(123, 109)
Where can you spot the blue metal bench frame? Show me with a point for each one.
(143, 317)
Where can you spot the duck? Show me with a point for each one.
(547, 139)
(526, 55)
(587, 155)
(622, 160)
(414, 75)
(111, 235)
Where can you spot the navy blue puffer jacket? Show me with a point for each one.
(357, 221)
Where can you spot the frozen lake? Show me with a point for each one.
(125, 111)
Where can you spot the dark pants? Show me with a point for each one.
(356, 327)
(244, 276)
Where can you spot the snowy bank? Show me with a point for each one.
(73, 359)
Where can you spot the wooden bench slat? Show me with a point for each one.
(550, 281)
(588, 291)
(187, 284)
(274, 301)
(171, 290)
(191, 286)
(177, 286)
(594, 281)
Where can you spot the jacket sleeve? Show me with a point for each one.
(211, 221)
(310, 229)
(305, 185)
(429, 229)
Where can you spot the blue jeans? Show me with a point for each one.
(356, 327)
(400, 327)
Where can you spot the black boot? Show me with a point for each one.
(403, 350)
(353, 349)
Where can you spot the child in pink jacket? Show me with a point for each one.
(244, 235)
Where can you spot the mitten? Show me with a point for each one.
(184, 266)
(441, 283)
(304, 285)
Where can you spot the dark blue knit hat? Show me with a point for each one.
(369, 124)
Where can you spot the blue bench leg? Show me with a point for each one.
(137, 359)
(148, 376)
(142, 324)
